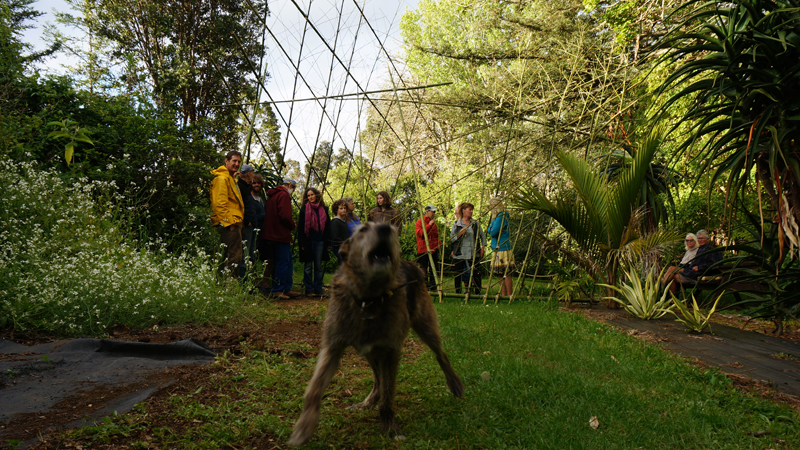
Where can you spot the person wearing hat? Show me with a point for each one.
(277, 232)
(431, 247)
(228, 212)
(250, 214)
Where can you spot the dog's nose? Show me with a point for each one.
(384, 231)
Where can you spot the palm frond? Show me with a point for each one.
(622, 199)
(590, 187)
(571, 214)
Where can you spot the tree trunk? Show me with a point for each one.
(611, 277)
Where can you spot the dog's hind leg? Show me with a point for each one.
(427, 328)
(375, 394)
(327, 364)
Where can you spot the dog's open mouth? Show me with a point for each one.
(382, 253)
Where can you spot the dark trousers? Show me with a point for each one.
(312, 272)
(335, 250)
(424, 263)
(282, 281)
(462, 268)
(231, 236)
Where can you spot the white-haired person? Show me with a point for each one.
(699, 265)
(690, 244)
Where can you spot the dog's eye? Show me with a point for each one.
(362, 230)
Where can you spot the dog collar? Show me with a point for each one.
(366, 303)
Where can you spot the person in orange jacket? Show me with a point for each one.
(228, 212)
(431, 247)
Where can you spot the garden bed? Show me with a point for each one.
(291, 336)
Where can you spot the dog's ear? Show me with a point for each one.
(344, 250)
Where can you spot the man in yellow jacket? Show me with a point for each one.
(228, 207)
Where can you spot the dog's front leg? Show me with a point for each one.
(327, 364)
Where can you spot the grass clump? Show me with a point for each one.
(68, 267)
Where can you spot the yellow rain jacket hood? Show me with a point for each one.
(226, 200)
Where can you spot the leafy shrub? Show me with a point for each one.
(67, 268)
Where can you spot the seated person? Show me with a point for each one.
(690, 244)
(704, 259)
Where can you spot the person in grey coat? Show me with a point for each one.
(468, 243)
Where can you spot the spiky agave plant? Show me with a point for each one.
(694, 319)
(642, 295)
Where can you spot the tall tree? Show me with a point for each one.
(265, 141)
(15, 54)
(97, 68)
(318, 165)
(21, 94)
(198, 57)
(527, 78)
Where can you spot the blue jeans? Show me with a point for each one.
(312, 273)
(283, 267)
(462, 269)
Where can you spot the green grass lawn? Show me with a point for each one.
(534, 378)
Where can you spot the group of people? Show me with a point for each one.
(467, 246)
(249, 221)
(697, 259)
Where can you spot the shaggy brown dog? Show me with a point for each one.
(376, 297)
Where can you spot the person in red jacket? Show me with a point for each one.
(277, 232)
(430, 247)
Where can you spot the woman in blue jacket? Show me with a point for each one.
(503, 258)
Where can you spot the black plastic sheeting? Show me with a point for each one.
(34, 379)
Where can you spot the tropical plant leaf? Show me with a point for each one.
(69, 150)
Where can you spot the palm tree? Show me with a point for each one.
(602, 217)
(656, 191)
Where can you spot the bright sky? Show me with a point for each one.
(356, 46)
